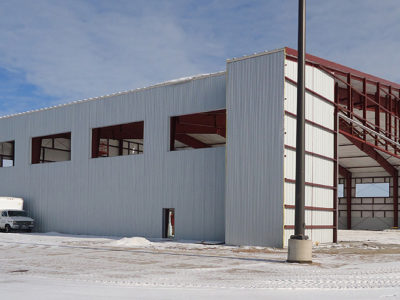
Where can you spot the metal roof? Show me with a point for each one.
(170, 82)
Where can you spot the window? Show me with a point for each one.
(340, 190)
(7, 154)
(117, 140)
(200, 130)
(51, 148)
(4, 214)
(17, 213)
(372, 189)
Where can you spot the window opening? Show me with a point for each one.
(372, 189)
(51, 148)
(118, 140)
(7, 154)
(199, 130)
(340, 190)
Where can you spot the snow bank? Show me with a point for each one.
(131, 242)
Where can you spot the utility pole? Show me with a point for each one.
(300, 247)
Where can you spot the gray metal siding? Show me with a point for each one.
(254, 150)
(122, 195)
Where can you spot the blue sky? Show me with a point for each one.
(54, 51)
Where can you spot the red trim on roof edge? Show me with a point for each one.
(344, 69)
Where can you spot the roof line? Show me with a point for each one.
(342, 68)
(254, 55)
(165, 83)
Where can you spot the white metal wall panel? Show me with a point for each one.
(254, 183)
(122, 195)
(319, 141)
(315, 168)
(320, 197)
(316, 108)
(313, 79)
(322, 218)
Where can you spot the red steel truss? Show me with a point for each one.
(368, 108)
(212, 122)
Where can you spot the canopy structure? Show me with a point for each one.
(368, 125)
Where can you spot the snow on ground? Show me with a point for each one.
(131, 242)
(364, 264)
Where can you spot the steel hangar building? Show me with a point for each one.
(212, 157)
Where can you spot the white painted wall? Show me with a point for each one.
(319, 141)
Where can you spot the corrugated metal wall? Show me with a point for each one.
(320, 145)
(254, 175)
(122, 195)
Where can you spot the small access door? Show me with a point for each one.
(168, 223)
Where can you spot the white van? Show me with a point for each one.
(12, 216)
(15, 219)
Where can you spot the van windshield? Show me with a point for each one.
(16, 213)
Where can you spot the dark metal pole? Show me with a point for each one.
(299, 231)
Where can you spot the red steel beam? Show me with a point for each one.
(345, 133)
(348, 177)
(396, 200)
(364, 106)
(172, 133)
(36, 145)
(64, 135)
(195, 129)
(371, 152)
(204, 119)
(122, 131)
(367, 149)
(312, 227)
(213, 122)
(335, 164)
(95, 142)
(341, 68)
(377, 111)
(349, 98)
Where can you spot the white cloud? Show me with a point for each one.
(72, 49)
(75, 50)
(360, 34)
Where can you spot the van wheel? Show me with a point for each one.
(7, 228)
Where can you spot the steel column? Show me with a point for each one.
(377, 111)
(349, 97)
(396, 199)
(348, 198)
(299, 231)
(348, 186)
(172, 133)
(36, 146)
(335, 164)
(364, 106)
(95, 142)
(120, 146)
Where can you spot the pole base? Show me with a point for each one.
(300, 251)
